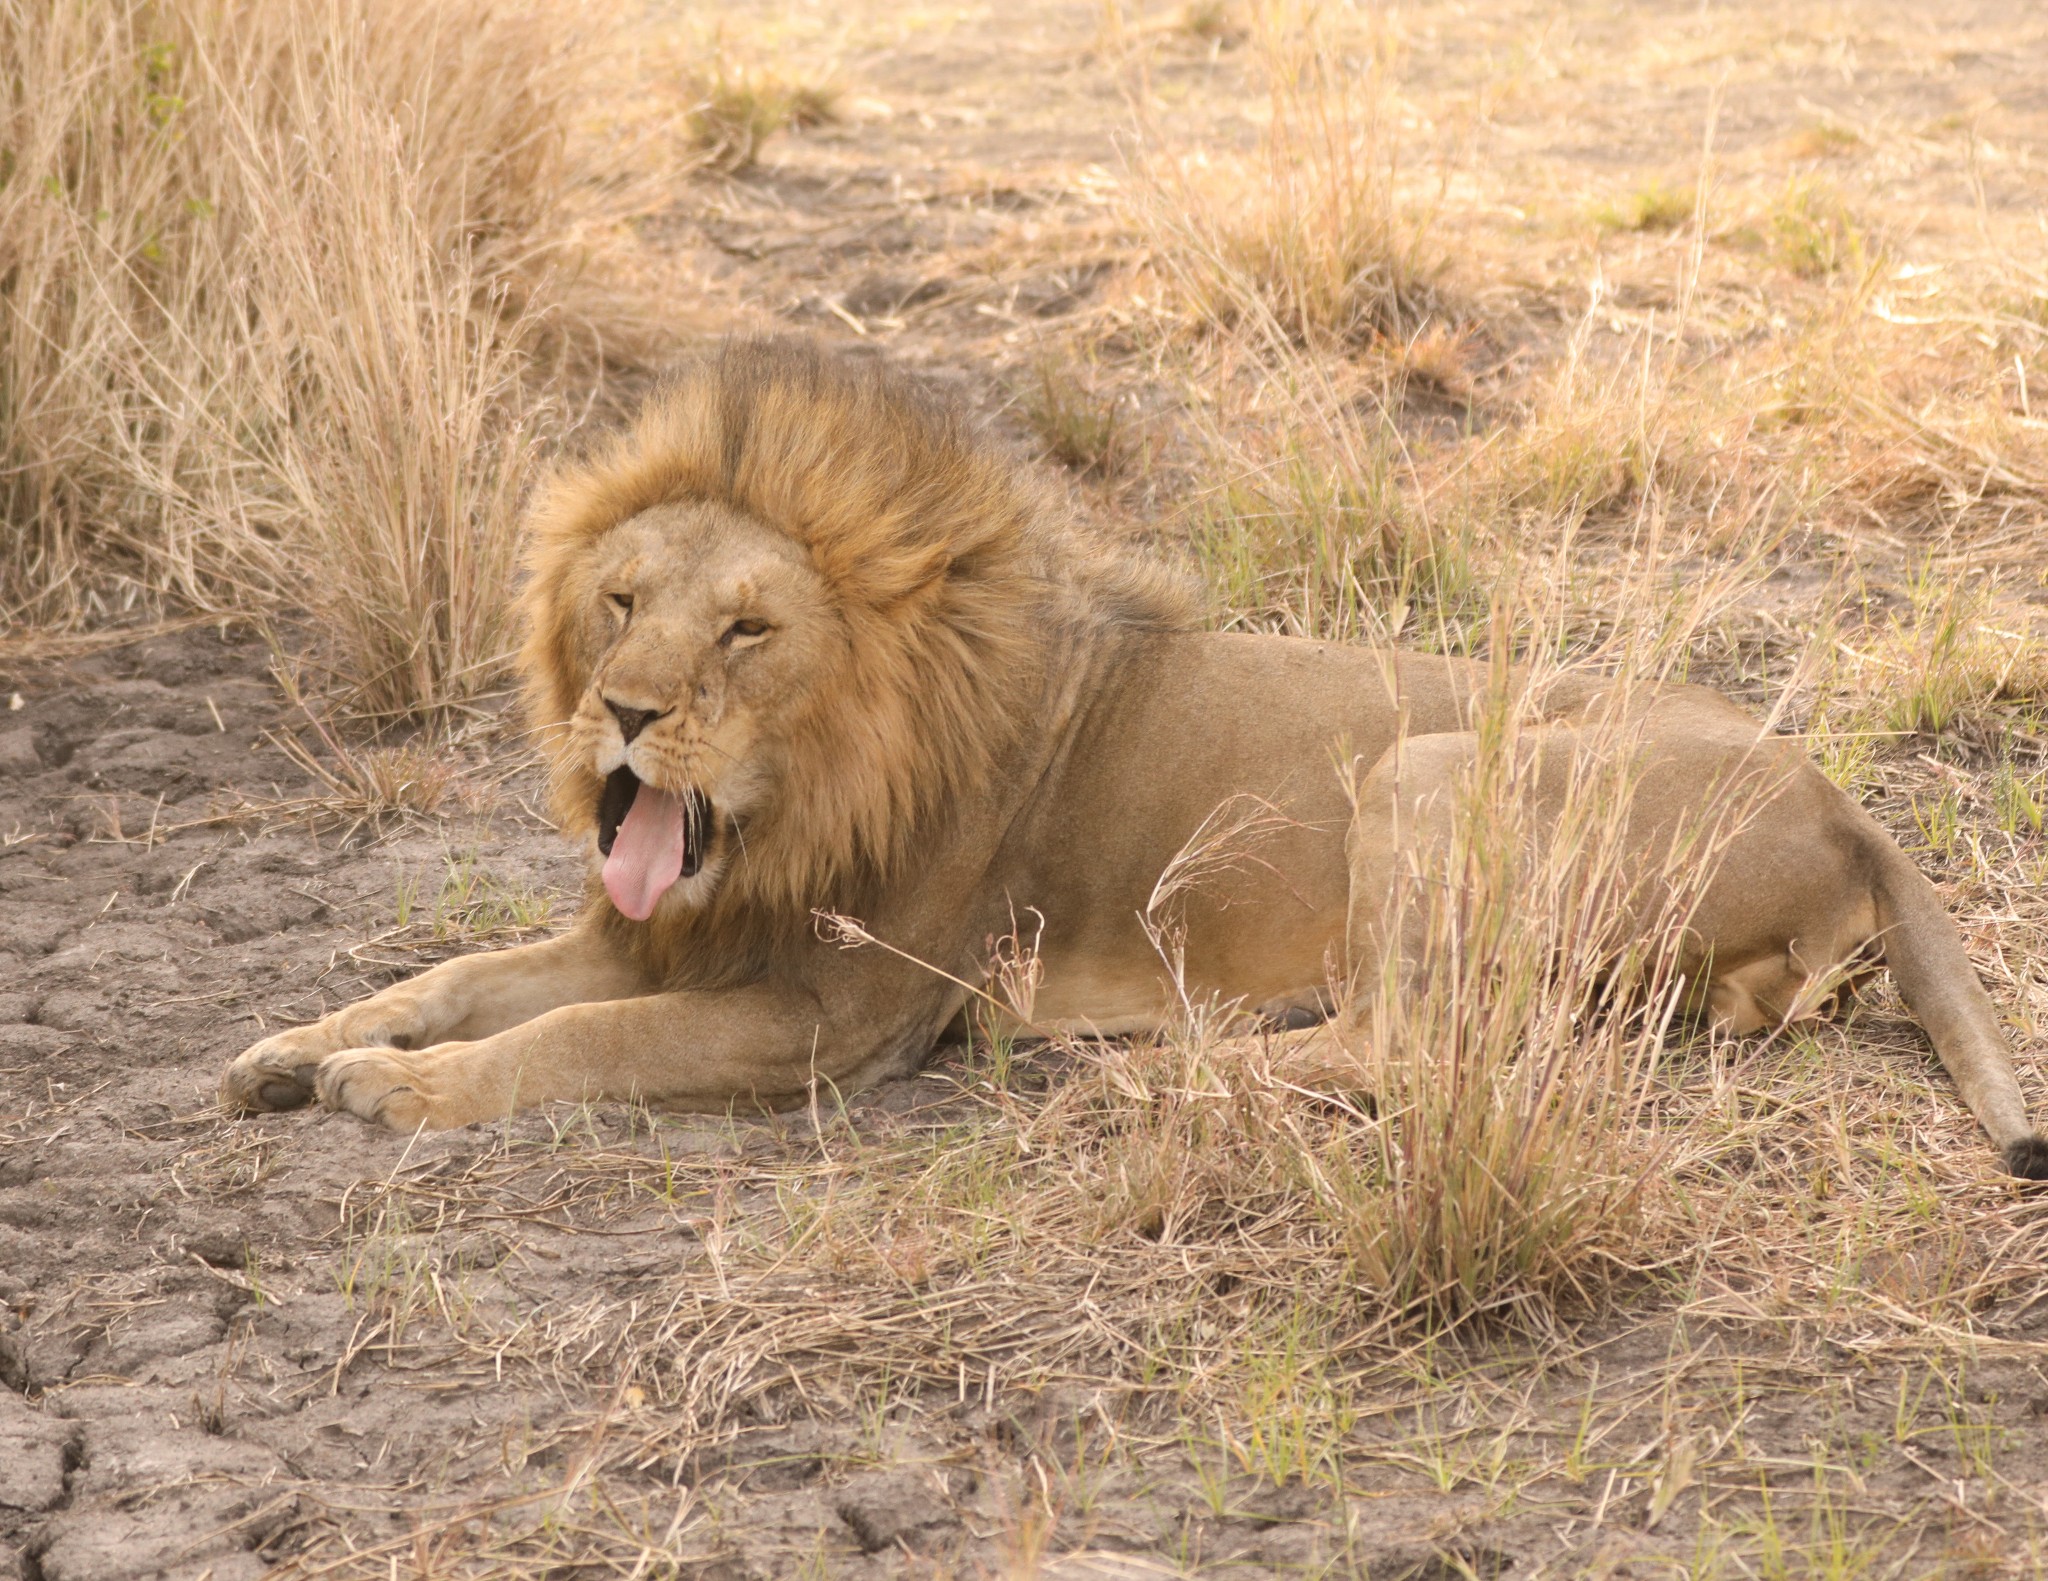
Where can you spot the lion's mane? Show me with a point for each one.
(964, 587)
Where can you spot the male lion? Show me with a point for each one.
(802, 645)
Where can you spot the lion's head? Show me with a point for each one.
(785, 619)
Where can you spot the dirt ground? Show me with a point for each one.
(231, 1345)
(292, 1344)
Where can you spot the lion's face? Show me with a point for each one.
(706, 635)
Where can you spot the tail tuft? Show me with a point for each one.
(2028, 1157)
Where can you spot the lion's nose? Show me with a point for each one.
(632, 720)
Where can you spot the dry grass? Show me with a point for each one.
(1657, 206)
(1316, 539)
(471, 906)
(1513, 1113)
(1736, 429)
(1620, 438)
(1178, 1237)
(736, 110)
(1079, 426)
(1307, 243)
(279, 284)
(1947, 663)
(1212, 22)
(365, 782)
(1809, 230)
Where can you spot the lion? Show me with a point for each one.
(802, 646)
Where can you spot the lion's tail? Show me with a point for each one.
(1925, 953)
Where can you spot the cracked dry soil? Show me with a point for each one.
(169, 1354)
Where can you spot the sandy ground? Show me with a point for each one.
(293, 1341)
(138, 1231)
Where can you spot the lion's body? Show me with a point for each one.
(804, 648)
(1182, 730)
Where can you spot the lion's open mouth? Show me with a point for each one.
(650, 838)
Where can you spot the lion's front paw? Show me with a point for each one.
(385, 1087)
(276, 1073)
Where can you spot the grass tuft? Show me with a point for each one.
(1655, 206)
(1824, 140)
(1315, 546)
(1950, 663)
(277, 315)
(1512, 1044)
(738, 111)
(1080, 427)
(1810, 231)
(472, 906)
(1308, 243)
(1211, 21)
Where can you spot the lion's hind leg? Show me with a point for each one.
(1780, 989)
(1764, 995)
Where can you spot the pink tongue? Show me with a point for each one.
(647, 853)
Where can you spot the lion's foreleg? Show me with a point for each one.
(475, 996)
(756, 1047)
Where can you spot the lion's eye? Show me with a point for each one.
(622, 602)
(743, 631)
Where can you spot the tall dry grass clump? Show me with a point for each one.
(1513, 1027)
(276, 292)
(1504, 1074)
(1306, 240)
